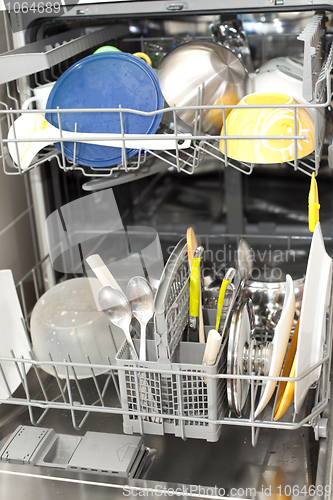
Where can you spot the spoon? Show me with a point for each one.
(117, 308)
(141, 297)
(34, 126)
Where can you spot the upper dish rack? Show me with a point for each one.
(202, 145)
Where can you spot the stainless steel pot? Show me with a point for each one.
(267, 299)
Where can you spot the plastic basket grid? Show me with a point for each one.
(177, 395)
(176, 311)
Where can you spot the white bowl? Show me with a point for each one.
(283, 75)
(66, 324)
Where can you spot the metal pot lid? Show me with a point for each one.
(239, 336)
(202, 73)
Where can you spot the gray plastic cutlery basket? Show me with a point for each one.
(171, 392)
(182, 402)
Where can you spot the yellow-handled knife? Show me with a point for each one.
(229, 276)
(195, 295)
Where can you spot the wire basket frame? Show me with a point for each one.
(183, 160)
(101, 393)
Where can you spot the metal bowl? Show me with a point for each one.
(267, 299)
(204, 68)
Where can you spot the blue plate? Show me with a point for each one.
(106, 81)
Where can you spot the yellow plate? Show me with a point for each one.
(244, 122)
(286, 390)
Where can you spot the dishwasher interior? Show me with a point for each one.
(168, 430)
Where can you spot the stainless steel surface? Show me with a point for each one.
(117, 308)
(222, 79)
(228, 301)
(141, 298)
(239, 335)
(187, 465)
(231, 34)
(267, 299)
(244, 264)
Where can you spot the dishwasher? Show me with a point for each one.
(81, 414)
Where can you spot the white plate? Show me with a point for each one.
(280, 343)
(312, 327)
(12, 333)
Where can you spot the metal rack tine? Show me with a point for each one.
(58, 380)
(38, 376)
(96, 383)
(116, 384)
(122, 130)
(295, 140)
(12, 98)
(61, 142)
(176, 134)
(26, 388)
(5, 381)
(16, 144)
(75, 145)
(76, 381)
(69, 391)
(225, 140)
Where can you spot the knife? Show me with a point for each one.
(229, 276)
(228, 302)
(195, 294)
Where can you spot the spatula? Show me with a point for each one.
(34, 126)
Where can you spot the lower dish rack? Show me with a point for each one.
(182, 397)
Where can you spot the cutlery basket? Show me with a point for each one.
(173, 398)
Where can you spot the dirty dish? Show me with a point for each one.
(312, 327)
(66, 325)
(280, 344)
(110, 80)
(267, 122)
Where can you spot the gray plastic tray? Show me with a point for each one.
(96, 452)
(44, 54)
